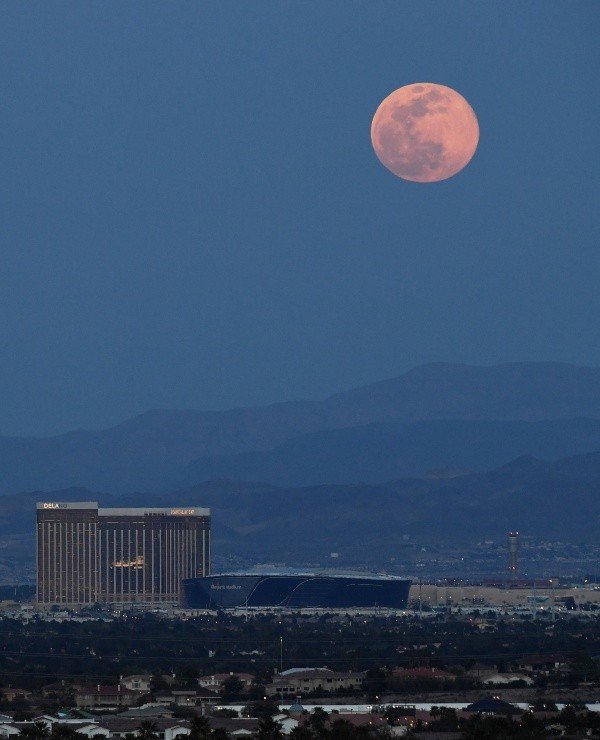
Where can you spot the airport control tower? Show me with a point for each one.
(513, 551)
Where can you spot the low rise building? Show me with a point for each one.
(140, 682)
(166, 729)
(297, 681)
(504, 679)
(12, 694)
(186, 697)
(216, 680)
(9, 729)
(401, 674)
(93, 697)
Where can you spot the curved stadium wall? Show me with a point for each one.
(296, 591)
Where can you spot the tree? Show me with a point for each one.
(219, 734)
(488, 728)
(148, 730)
(189, 674)
(341, 729)
(531, 726)
(157, 682)
(64, 732)
(226, 712)
(232, 688)
(318, 720)
(445, 719)
(375, 682)
(35, 731)
(262, 709)
(382, 733)
(22, 716)
(268, 729)
(199, 728)
(301, 733)
(256, 690)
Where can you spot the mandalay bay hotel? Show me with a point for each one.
(88, 555)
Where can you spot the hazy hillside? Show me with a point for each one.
(367, 523)
(151, 451)
(379, 452)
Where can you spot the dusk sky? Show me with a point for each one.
(193, 215)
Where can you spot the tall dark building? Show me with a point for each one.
(88, 555)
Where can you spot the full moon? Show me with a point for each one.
(424, 132)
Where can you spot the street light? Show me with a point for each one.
(280, 654)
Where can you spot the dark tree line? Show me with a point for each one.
(41, 653)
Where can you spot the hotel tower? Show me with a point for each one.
(88, 555)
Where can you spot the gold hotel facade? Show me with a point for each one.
(88, 555)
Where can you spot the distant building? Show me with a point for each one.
(94, 697)
(216, 681)
(411, 674)
(297, 590)
(305, 680)
(88, 555)
(116, 728)
(492, 705)
(120, 728)
(185, 697)
(139, 682)
(503, 679)
(11, 694)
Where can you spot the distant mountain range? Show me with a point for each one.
(376, 453)
(363, 523)
(434, 417)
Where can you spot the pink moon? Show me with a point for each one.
(424, 132)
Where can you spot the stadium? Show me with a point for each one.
(296, 591)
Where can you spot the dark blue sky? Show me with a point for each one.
(192, 214)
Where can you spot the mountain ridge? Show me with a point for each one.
(369, 524)
(385, 451)
(150, 451)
